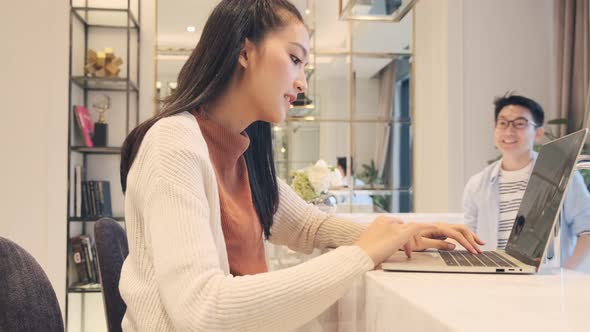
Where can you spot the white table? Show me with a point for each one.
(348, 314)
(399, 301)
(470, 302)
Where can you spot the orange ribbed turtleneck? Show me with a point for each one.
(241, 227)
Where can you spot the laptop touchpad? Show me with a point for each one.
(432, 258)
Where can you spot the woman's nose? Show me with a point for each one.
(301, 82)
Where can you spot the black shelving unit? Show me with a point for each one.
(85, 219)
(78, 289)
(103, 83)
(96, 150)
(88, 21)
(99, 17)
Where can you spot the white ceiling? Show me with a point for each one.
(175, 15)
(331, 34)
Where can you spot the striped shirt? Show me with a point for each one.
(512, 186)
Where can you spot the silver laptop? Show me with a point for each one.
(531, 232)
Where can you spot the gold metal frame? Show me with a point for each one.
(345, 12)
(350, 53)
(351, 119)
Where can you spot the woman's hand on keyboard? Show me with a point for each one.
(384, 236)
(435, 238)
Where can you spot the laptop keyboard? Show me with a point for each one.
(465, 258)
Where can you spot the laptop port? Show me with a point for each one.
(499, 270)
(510, 269)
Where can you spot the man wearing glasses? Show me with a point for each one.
(492, 197)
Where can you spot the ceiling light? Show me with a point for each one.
(191, 28)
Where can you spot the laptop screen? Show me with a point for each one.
(543, 197)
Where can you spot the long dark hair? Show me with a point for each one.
(206, 75)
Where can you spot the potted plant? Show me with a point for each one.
(370, 176)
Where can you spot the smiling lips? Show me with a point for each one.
(290, 98)
(508, 141)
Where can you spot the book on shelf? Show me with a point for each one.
(77, 191)
(92, 199)
(91, 266)
(104, 194)
(96, 199)
(84, 257)
(85, 124)
(79, 258)
(85, 199)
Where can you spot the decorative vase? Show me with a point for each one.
(326, 202)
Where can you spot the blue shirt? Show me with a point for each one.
(481, 206)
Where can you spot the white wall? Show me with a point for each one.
(33, 127)
(431, 111)
(33, 131)
(515, 53)
(466, 53)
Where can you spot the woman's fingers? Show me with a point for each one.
(459, 233)
(437, 244)
(385, 236)
(453, 234)
(414, 229)
(459, 237)
(469, 236)
(409, 234)
(408, 249)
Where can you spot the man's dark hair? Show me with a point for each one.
(510, 99)
(341, 161)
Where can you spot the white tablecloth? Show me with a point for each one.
(476, 302)
(396, 301)
(348, 313)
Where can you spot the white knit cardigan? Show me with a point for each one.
(176, 277)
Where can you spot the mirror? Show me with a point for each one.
(356, 110)
(375, 10)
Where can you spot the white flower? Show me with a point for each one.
(335, 178)
(323, 176)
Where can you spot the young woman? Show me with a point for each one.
(201, 192)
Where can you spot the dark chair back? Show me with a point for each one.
(27, 299)
(111, 250)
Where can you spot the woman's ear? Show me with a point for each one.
(244, 52)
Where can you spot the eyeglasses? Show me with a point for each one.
(520, 123)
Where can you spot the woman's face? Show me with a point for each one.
(274, 71)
